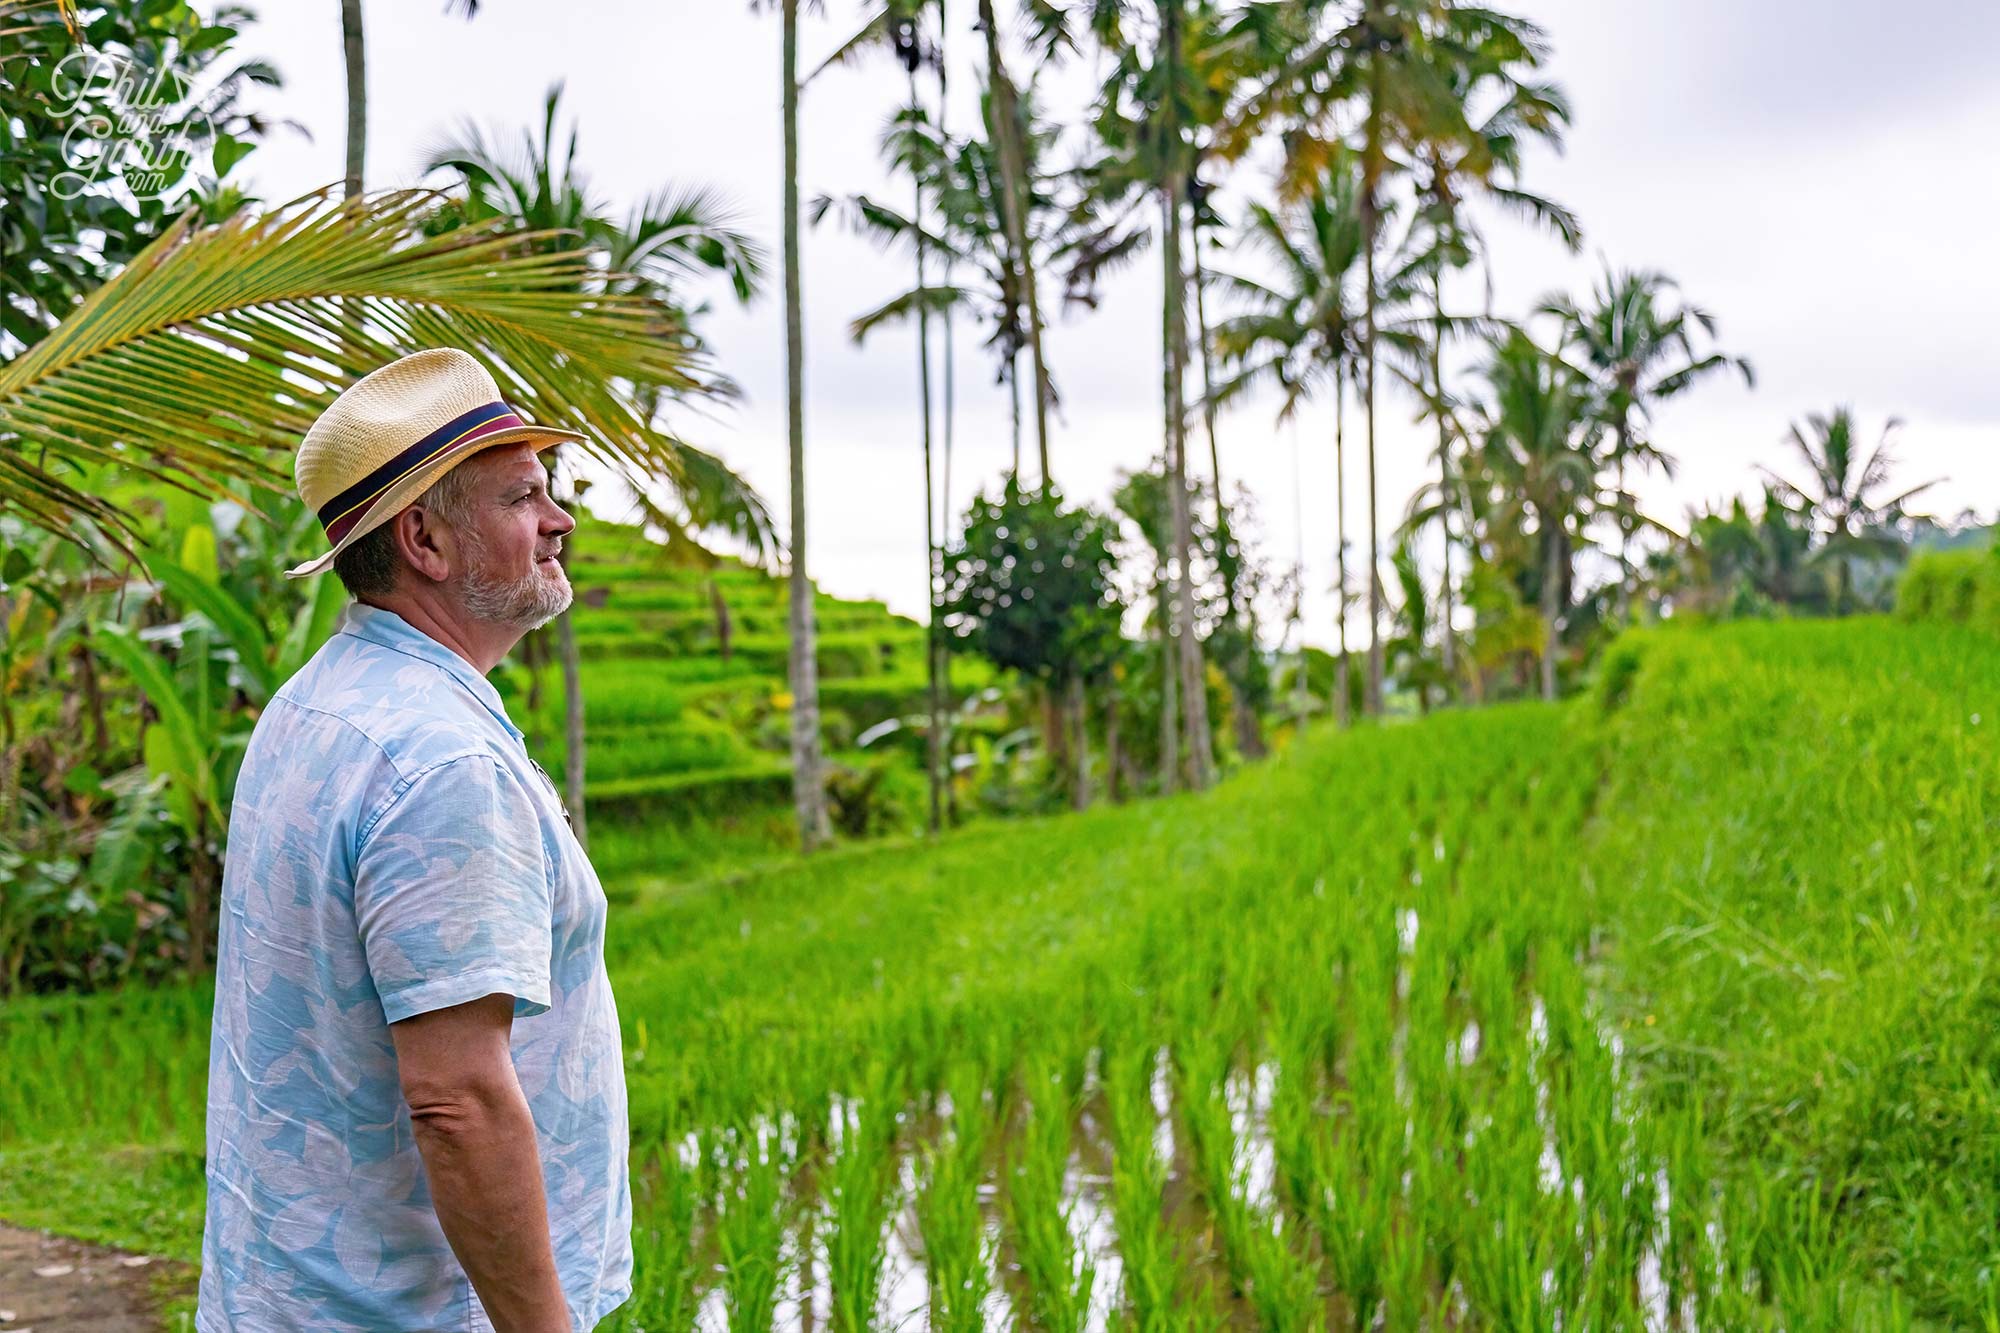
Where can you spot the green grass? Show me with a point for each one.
(1469, 991)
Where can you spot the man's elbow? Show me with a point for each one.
(463, 1108)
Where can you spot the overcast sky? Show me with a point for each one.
(1818, 173)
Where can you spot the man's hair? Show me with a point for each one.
(367, 568)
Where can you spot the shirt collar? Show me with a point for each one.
(386, 628)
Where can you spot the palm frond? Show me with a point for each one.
(206, 358)
(936, 299)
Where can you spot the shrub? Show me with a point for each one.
(1962, 587)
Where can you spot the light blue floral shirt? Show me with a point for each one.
(393, 850)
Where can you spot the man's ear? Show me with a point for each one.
(425, 542)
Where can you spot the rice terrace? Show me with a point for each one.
(1425, 781)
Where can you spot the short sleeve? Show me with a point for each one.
(451, 893)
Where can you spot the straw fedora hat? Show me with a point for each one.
(393, 432)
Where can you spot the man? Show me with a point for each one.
(416, 1106)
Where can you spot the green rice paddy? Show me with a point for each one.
(1672, 1006)
(687, 757)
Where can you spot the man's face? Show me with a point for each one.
(508, 543)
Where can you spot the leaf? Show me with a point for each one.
(174, 745)
(311, 627)
(207, 357)
(208, 39)
(198, 553)
(243, 630)
(229, 150)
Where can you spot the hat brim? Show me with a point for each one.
(400, 496)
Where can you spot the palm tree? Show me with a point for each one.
(354, 63)
(1405, 68)
(1007, 130)
(1538, 465)
(1301, 330)
(898, 25)
(1070, 231)
(1637, 340)
(1842, 494)
(669, 238)
(1171, 66)
(1488, 163)
(808, 765)
(205, 393)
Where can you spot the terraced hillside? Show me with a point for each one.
(687, 716)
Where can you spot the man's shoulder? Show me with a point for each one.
(370, 700)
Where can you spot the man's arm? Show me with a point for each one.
(477, 1137)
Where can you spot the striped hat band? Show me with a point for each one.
(347, 509)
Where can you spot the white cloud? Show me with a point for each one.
(1818, 174)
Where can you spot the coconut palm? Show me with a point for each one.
(1485, 164)
(1007, 129)
(151, 378)
(898, 26)
(808, 765)
(1300, 329)
(1842, 493)
(1537, 462)
(1070, 232)
(1639, 342)
(1404, 68)
(354, 65)
(1170, 66)
(672, 236)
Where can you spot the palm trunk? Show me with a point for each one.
(1448, 643)
(93, 693)
(534, 653)
(1194, 693)
(1340, 668)
(1014, 390)
(1624, 526)
(1369, 222)
(1014, 193)
(724, 629)
(1079, 722)
(1055, 731)
(354, 55)
(942, 668)
(1249, 727)
(808, 791)
(572, 671)
(1170, 712)
(203, 877)
(1551, 603)
(1372, 695)
(1208, 386)
(1114, 753)
(934, 741)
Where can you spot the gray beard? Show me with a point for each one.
(524, 604)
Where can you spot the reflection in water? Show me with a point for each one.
(904, 1302)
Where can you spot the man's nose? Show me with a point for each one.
(560, 523)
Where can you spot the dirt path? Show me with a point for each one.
(51, 1284)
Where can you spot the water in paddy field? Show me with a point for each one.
(903, 1302)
